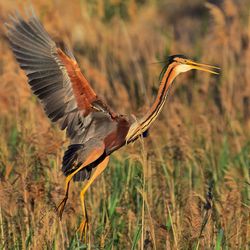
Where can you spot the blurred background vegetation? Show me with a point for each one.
(184, 187)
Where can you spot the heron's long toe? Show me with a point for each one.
(83, 229)
(61, 206)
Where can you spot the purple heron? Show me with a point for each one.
(94, 130)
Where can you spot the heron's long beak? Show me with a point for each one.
(203, 67)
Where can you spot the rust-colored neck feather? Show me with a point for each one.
(140, 126)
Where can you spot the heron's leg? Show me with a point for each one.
(94, 155)
(84, 224)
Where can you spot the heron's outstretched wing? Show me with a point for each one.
(53, 73)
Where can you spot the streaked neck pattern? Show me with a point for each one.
(140, 126)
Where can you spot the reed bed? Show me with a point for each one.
(186, 186)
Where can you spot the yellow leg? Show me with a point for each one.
(84, 224)
(95, 154)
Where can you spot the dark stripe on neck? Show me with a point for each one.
(161, 99)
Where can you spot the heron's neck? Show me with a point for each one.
(141, 125)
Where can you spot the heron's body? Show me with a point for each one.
(94, 130)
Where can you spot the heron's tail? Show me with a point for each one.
(72, 161)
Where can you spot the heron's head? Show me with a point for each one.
(183, 64)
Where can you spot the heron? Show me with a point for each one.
(95, 131)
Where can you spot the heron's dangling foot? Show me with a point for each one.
(83, 228)
(61, 206)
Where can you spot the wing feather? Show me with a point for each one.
(53, 75)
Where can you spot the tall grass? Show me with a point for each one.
(186, 186)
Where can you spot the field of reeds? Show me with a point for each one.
(185, 186)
